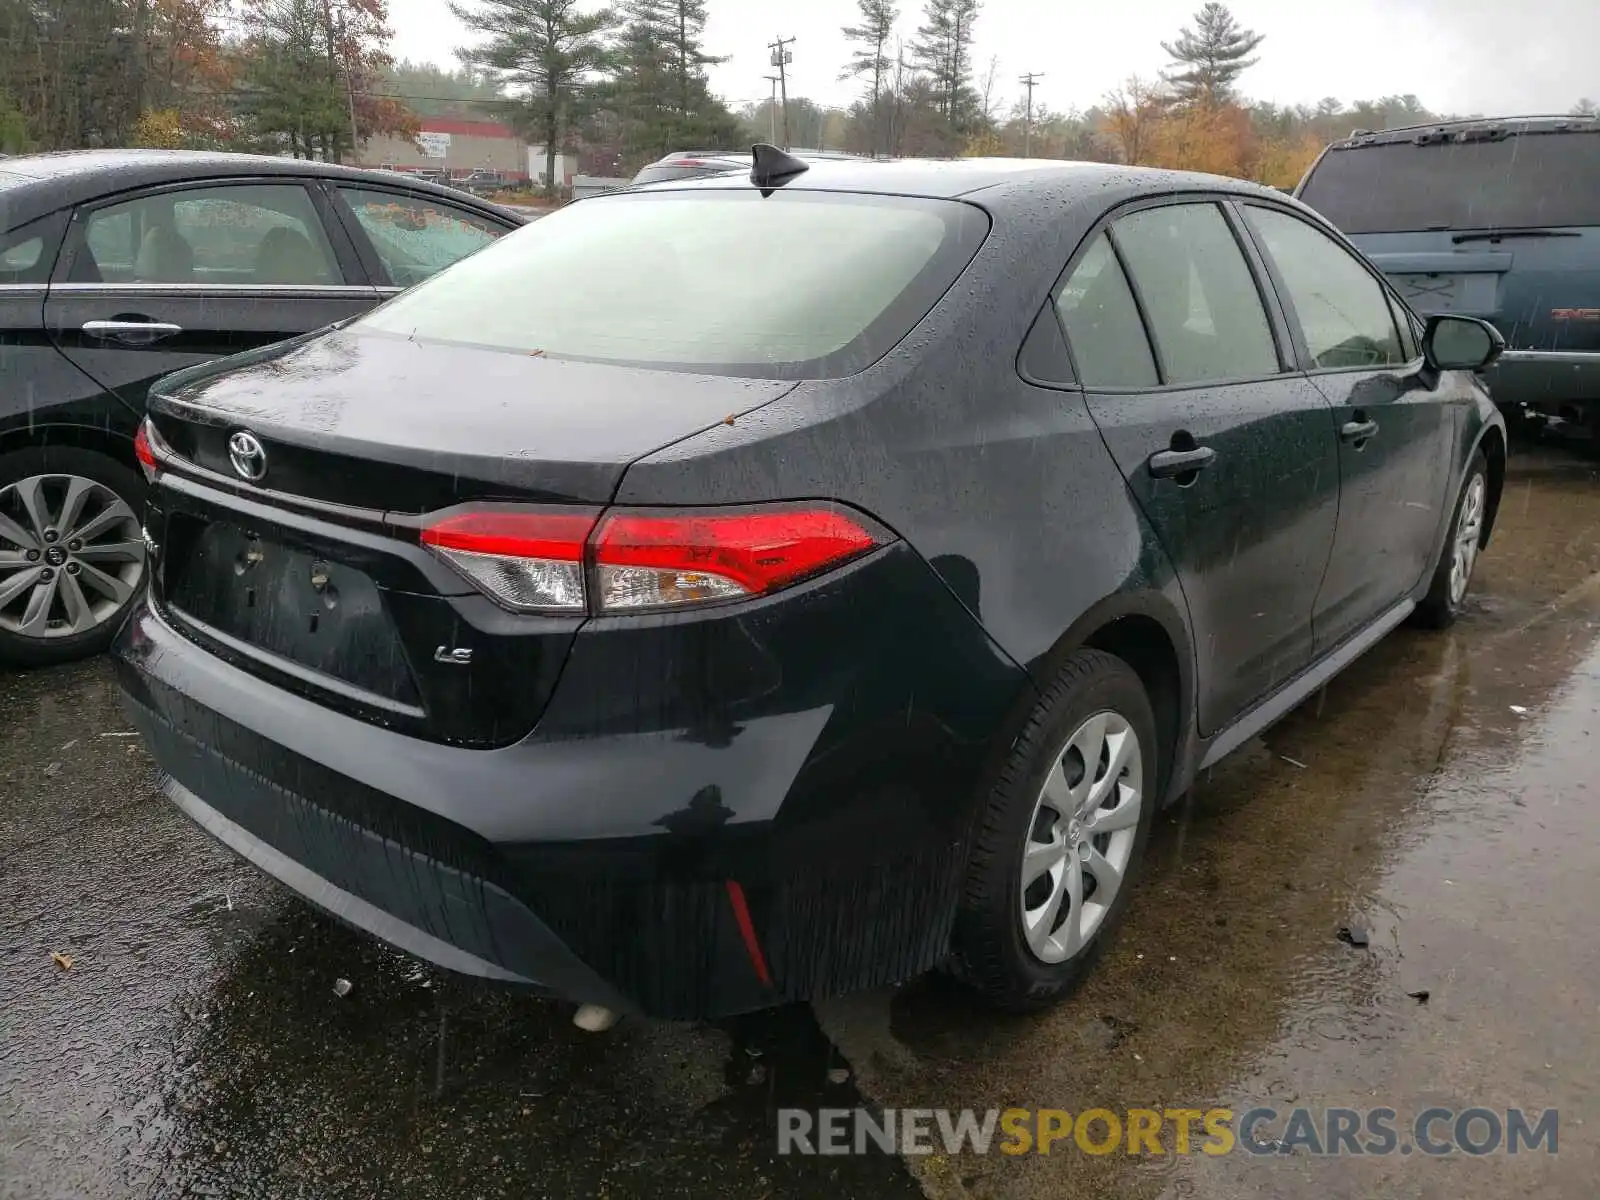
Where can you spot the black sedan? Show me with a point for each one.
(834, 584)
(119, 267)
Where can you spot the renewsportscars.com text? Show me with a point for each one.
(1159, 1132)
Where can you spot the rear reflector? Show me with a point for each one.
(532, 560)
(143, 451)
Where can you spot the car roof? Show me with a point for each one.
(33, 185)
(952, 178)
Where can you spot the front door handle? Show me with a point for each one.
(1168, 464)
(1358, 431)
(131, 333)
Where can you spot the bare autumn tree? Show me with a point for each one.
(543, 52)
(1208, 59)
(870, 60)
(1132, 114)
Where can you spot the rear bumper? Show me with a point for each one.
(1547, 380)
(673, 867)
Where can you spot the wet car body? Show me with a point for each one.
(1498, 218)
(698, 812)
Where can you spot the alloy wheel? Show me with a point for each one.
(1469, 532)
(1081, 836)
(71, 553)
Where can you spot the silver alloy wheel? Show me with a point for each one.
(1469, 532)
(1081, 836)
(71, 553)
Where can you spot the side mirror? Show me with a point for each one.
(1460, 343)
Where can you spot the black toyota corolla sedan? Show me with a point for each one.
(761, 587)
(120, 266)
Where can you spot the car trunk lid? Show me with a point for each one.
(313, 574)
(389, 423)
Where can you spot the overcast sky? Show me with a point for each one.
(1459, 56)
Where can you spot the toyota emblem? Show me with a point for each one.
(248, 456)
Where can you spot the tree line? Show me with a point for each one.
(923, 93)
(621, 84)
(314, 78)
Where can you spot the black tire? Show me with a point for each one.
(991, 951)
(21, 650)
(1441, 606)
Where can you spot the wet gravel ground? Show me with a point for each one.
(1443, 793)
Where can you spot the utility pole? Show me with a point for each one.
(772, 111)
(1028, 80)
(781, 58)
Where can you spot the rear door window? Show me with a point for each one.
(1201, 300)
(1527, 180)
(1102, 322)
(257, 234)
(1342, 309)
(792, 285)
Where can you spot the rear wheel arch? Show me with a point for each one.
(97, 439)
(1146, 631)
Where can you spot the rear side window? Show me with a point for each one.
(1343, 310)
(1524, 181)
(27, 253)
(1102, 322)
(415, 238)
(793, 285)
(1199, 296)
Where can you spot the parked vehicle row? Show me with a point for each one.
(117, 268)
(1497, 218)
(834, 586)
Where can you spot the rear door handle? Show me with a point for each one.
(131, 333)
(1358, 431)
(1165, 464)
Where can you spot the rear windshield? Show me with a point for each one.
(1526, 180)
(659, 172)
(793, 285)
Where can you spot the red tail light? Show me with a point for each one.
(651, 560)
(143, 451)
(524, 559)
(548, 560)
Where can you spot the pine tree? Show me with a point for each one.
(660, 98)
(943, 51)
(1208, 59)
(546, 50)
(871, 57)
